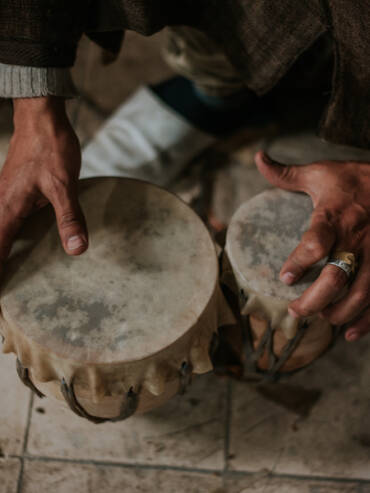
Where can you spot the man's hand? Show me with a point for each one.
(340, 192)
(42, 166)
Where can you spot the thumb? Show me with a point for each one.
(279, 175)
(70, 220)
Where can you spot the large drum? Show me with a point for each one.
(261, 235)
(123, 327)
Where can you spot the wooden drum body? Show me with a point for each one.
(123, 327)
(261, 235)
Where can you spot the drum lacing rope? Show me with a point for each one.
(252, 356)
(185, 375)
(24, 376)
(250, 370)
(128, 408)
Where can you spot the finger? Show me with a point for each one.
(359, 328)
(279, 175)
(11, 219)
(70, 219)
(355, 301)
(315, 244)
(327, 287)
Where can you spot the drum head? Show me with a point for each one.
(262, 234)
(149, 272)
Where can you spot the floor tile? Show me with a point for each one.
(333, 439)
(9, 473)
(187, 431)
(264, 483)
(14, 407)
(40, 477)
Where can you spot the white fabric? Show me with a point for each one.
(144, 139)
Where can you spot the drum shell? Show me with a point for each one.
(101, 389)
(261, 234)
(132, 319)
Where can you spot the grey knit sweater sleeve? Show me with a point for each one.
(31, 82)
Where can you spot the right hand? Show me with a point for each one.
(42, 166)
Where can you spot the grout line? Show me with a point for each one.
(228, 474)
(303, 477)
(27, 433)
(121, 465)
(25, 443)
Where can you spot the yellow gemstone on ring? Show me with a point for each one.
(346, 257)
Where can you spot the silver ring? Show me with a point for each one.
(342, 265)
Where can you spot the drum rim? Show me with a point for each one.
(234, 252)
(77, 353)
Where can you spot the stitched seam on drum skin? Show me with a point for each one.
(25, 443)
(229, 474)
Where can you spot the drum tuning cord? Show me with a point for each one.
(129, 405)
(24, 376)
(185, 375)
(250, 371)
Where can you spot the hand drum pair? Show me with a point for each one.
(125, 326)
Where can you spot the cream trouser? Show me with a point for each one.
(195, 56)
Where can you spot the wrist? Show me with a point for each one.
(33, 111)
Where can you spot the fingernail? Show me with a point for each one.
(292, 313)
(75, 242)
(352, 336)
(288, 277)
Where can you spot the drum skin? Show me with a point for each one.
(261, 235)
(125, 317)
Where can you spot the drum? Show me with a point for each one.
(123, 327)
(261, 235)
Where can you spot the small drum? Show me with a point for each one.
(123, 327)
(261, 235)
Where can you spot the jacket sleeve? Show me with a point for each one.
(41, 33)
(29, 82)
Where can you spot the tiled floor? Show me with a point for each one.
(222, 436)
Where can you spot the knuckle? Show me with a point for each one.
(55, 185)
(68, 219)
(336, 279)
(313, 246)
(286, 173)
(339, 318)
(358, 215)
(355, 222)
(336, 320)
(303, 310)
(361, 298)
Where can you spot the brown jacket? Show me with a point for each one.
(263, 38)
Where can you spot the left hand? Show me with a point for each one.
(340, 192)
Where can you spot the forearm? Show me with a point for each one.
(29, 82)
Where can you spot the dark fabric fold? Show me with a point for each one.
(263, 40)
